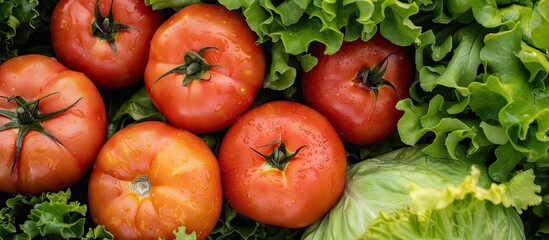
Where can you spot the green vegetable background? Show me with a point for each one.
(480, 93)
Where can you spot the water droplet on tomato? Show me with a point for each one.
(194, 203)
(278, 183)
(52, 164)
(218, 107)
(78, 113)
(75, 134)
(40, 150)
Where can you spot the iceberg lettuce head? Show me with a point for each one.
(406, 194)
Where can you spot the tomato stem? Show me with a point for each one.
(280, 156)
(194, 67)
(27, 117)
(105, 27)
(373, 78)
(141, 186)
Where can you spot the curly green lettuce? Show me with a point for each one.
(19, 20)
(47, 216)
(482, 84)
(292, 26)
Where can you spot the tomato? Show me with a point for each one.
(282, 164)
(150, 178)
(52, 125)
(110, 45)
(358, 87)
(204, 68)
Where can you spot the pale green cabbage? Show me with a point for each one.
(407, 194)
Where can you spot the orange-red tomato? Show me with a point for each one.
(151, 178)
(113, 51)
(208, 42)
(55, 161)
(289, 191)
(343, 87)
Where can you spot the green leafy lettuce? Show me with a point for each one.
(173, 4)
(232, 225)
(406, 194)
(137, 108)
(21, 19)
(181, 234)
(47, 216)
(482, 85)
(291, 26)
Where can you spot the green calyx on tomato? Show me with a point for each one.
(26, 117)
(280, 156)
(194, 67)
(105, 27)
(373, 78)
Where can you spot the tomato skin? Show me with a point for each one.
(44, 165)
(183, 174)
(76, 47)
(310, 184)
(205, 105)
(333, 89)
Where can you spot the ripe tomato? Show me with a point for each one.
(150, 178)
(107, 40)
(358, 87)
(283, 164)
(52, 125)
(204, 68)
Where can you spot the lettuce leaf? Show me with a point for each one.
(181, 234)
(407, 194)
(465, 211)
(49, 215)
(173, 4)
(482, 84)
(382, 184)
(19, 20)
(137, 108)
(292, 26)
(232, 225)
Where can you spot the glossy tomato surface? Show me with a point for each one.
(334, 88)
(228, 88)
(44, 164)
(151, 178)
(76, 46)
(302, 190)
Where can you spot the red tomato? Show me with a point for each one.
(110, 46)
(214, 68)
(305, 173)
(357, 90)
(151, 178)
(60, 117)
